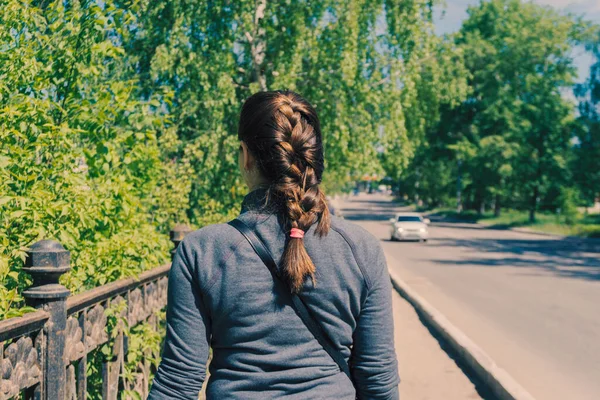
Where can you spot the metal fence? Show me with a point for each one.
(44, 354)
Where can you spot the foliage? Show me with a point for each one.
(522, 63)
(85, 157)
(82, 159)
(568, 200)
(143, 347)
(587, 150)
(427, 74)
(361, 63)
(510, 141)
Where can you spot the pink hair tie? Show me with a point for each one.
(296, 233)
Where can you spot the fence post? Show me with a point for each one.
(46, 261)
(177, 234)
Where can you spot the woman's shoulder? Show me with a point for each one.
(210, 242)
(209, 232)
(203, 251)
(354, 234)
(365, 247)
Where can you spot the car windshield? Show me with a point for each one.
(409, 218)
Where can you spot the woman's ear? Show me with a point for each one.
(247, 159)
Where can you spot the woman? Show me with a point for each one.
(223, 296)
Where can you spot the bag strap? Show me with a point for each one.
(313, 326)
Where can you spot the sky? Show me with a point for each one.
(449, 18)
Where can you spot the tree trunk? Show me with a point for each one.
(531, 215)
(534, 201)
(497, 206)
(417, 184)
(258, 44)
(539, 175)
(459, 206)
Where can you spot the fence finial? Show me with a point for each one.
(46, 261)
(177, 234)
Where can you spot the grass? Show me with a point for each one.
(582, 226)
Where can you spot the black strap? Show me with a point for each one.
(313, 326)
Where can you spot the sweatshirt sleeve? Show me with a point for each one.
(374, 364)
(182, 370)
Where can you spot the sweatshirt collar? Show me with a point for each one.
(255, 200)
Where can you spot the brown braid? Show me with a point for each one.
(282, 131)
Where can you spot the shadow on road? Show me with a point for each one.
(370, 210)
(562, 257)
(368, 217)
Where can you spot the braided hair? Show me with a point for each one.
(282, 131)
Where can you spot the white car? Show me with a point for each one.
(409, 226)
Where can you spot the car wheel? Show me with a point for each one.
(392, 238)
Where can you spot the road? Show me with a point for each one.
(531, 302)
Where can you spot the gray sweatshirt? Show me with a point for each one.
(222, 296)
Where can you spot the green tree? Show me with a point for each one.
(519, 60)
(491, 168)
(426, 75)
(586, 161)
(362, 63)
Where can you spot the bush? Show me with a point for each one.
(568, 200)
(85, 158)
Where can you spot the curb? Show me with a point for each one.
(495, 379)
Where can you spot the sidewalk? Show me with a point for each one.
(426, 371)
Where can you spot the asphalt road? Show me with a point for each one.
(531, 302)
